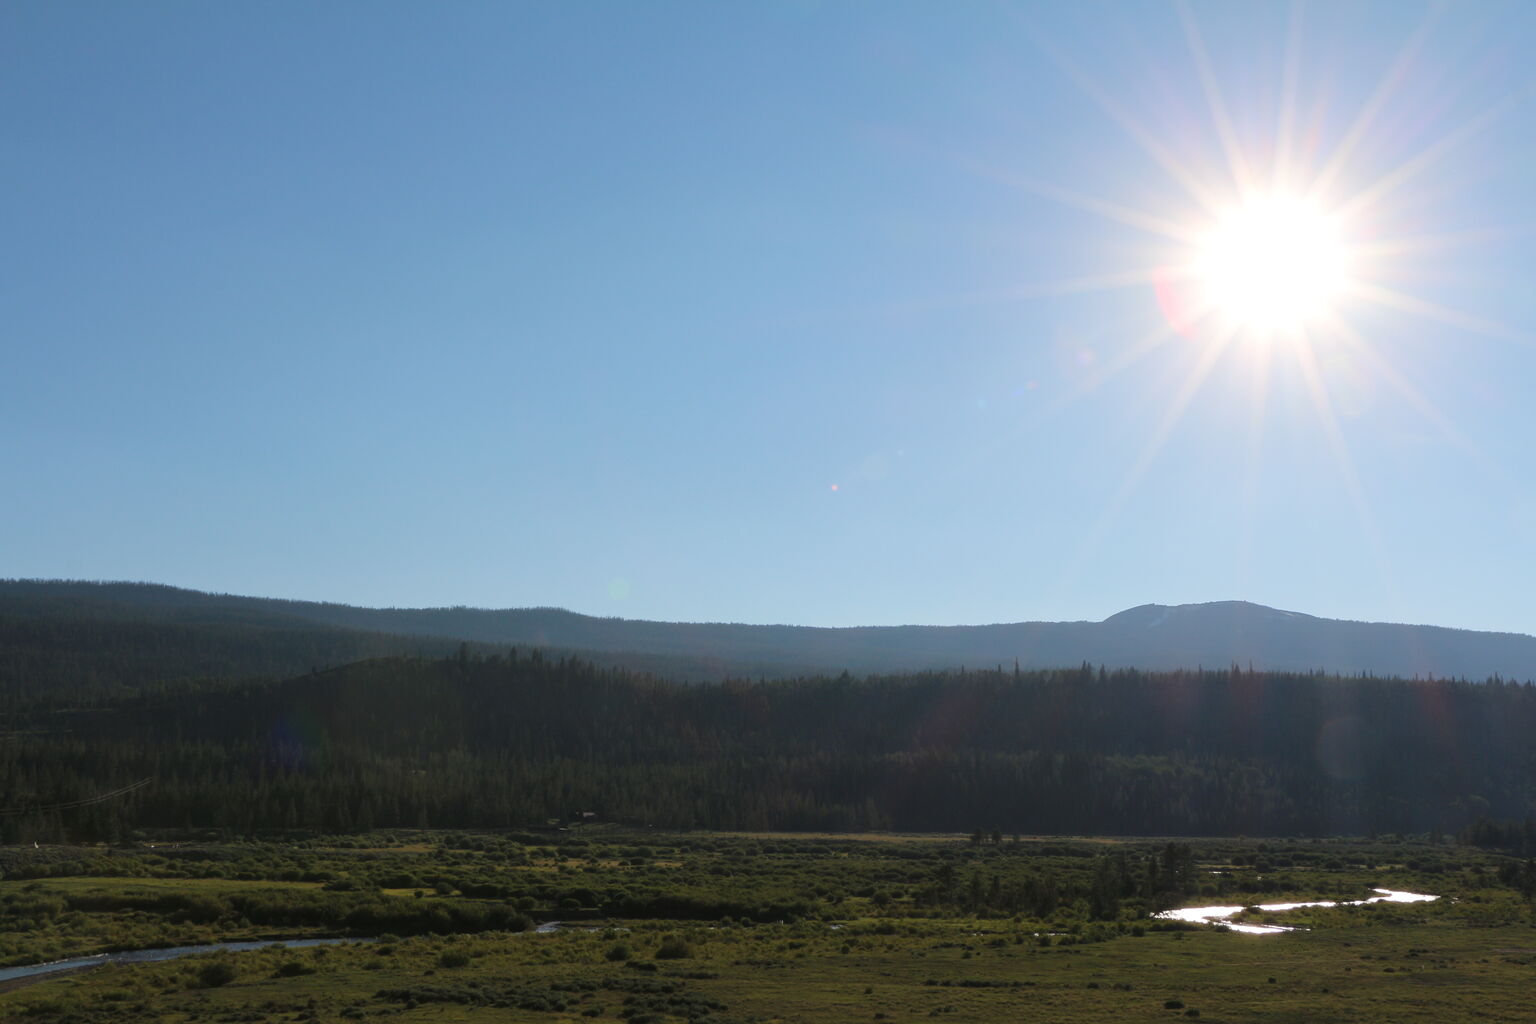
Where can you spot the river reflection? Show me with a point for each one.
(1220, 915)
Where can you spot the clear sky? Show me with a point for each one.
(824, 313)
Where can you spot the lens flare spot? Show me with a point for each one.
(1341, 749)
(1177, 300)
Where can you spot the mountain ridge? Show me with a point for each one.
(1151, 636)
(7, 583)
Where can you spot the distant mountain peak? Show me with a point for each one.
(1147, 616)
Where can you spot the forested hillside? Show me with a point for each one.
(1157, 637)
(510, 740)
(60, 654)
(85, 638)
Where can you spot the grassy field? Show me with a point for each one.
(822, 928)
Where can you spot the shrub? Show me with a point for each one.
(618, 953)
(453, 958)
(215, 974)
(673, 949)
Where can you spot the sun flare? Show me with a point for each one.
(1272, 264)
(1293, 230)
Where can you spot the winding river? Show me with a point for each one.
(1220, 915)
(148, 956)
(145, 956)
(1194, 915)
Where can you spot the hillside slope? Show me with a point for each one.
(1213, 635)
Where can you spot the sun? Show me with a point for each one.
(1280, 246)
(1272, 264)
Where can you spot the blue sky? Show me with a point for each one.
(771, 313)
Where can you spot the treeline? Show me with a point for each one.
(514, 739)
(1516, 837)
(365, 914)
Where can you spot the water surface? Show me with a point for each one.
(146, 956)
(1220, 915)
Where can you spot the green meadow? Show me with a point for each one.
(712, 928)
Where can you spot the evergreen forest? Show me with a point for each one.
(519, 739)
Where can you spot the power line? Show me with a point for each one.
(87, 801)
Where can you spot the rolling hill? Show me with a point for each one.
(247, 635)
